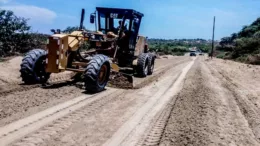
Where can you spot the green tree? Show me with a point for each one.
(225, 41)
(13, 32)
(257, 34)
(243, 44)
(16, 35)
(233, 36)
(70, 29)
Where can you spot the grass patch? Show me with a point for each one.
(221, 55)
(179, 53)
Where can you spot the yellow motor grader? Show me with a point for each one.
(114, 47)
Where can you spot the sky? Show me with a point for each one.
(168, 19)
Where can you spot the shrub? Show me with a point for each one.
(179, 53)
(242, 58)
(220, 56)
(246, 46)
(253, 59)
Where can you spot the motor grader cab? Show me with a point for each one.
(123, 25)
(113, 48)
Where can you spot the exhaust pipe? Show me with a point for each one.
(82, 19)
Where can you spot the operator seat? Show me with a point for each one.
(124, 40)
(123, 55)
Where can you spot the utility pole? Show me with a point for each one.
(212, 49)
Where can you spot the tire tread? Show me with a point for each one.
(91, 73)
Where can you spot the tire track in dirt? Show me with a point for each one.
(100, 126)
(154, 133)
(60, 125)
(206, 113)
(129, 133)
(247, 108)
(17, 87)
(16, 130)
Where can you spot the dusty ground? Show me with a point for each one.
(20, 104)
(102, 114)
(9, 71)
(10, 74)
(212, 109)
(186, 102)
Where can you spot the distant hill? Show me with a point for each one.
(178, 46)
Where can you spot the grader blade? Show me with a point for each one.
(116, 70)
(129, 77)
(121, 80)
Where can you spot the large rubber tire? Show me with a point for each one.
(94, 81)
(33, 67)
(151, 59)
(142, 65)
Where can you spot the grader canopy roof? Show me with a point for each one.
(109, 19)
(130, 13)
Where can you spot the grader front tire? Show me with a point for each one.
(97, 73)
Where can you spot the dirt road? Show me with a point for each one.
(188, 101)
(211, 110)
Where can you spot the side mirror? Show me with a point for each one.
(92, 18)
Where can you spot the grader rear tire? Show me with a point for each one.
(97, 73)
(142, 65)
(33, 67)
(151, 59)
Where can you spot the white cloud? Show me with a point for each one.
(4, 1)
(34, 13)
(70, 17)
